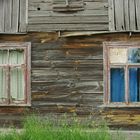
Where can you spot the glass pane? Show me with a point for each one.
(134, 55)
(17, 84)
(3, 57)
(16, 56)
(3, 85)
(134, 84)
(117, 87)
(118, 55)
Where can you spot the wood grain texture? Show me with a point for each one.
(23, 15)
(67, 77)
(137, 3)
(2, 16)
(7, 15)
(132, 15)
(124, 15)
(15, 16)
(93, 17)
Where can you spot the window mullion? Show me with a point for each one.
(8, 79)
(126, 84)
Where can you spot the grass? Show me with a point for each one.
(36, 128)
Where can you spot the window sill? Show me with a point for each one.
(121, 105)
(15, 105)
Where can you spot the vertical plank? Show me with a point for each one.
(126, 14)
(15, 16)
(111, 15)
(119, 15)
(132, 15)
(23, 15)
(1, 15)
(7, 15)
(138, 13)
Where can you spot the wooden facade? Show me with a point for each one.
(67, 72)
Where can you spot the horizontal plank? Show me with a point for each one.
(68, 19)
(65, 27)
(67, 63)
(67, 54)
(47, 6)
(45, 1)
(67, 44)
(66, 73)
(61, 14)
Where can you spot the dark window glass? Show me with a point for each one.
(134, 84)
(117, 85)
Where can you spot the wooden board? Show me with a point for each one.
(119, 14)
(132, 16)
(43, 18)
(2, 16)
(23, 15)
(13, 15)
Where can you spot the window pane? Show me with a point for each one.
(117, 86)
(3, 85)
(17, 83)
(134, 84)
(134, 55)
(16, 57)
(3, 57)
(118, 55)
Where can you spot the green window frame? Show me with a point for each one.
(15, 63)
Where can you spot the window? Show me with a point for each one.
(68, 5)
(14, 74)
(122, 73)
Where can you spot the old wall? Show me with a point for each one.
(41, 17)
(67, 76)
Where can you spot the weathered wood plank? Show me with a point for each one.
(65, 27)
(7, 15)
(137, 3)
(66, 63)
(111, 15)
(71, 54)
(23, 16)
(45, 1)
(2, 16)
(132, 15)
(94, 17)
(97, 12)
(66, 74)
(119, 15)
(69, 19)
(126, 15)
(15, 16)
(48, 6)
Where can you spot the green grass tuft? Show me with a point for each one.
(36, 128)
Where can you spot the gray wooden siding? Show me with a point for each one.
(43, 18)
(13, 16)
(124, 15)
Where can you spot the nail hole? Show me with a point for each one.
(38, 8)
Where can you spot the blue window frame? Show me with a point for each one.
(121, 72)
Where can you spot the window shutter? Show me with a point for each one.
(68, 5)
(13, 15)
